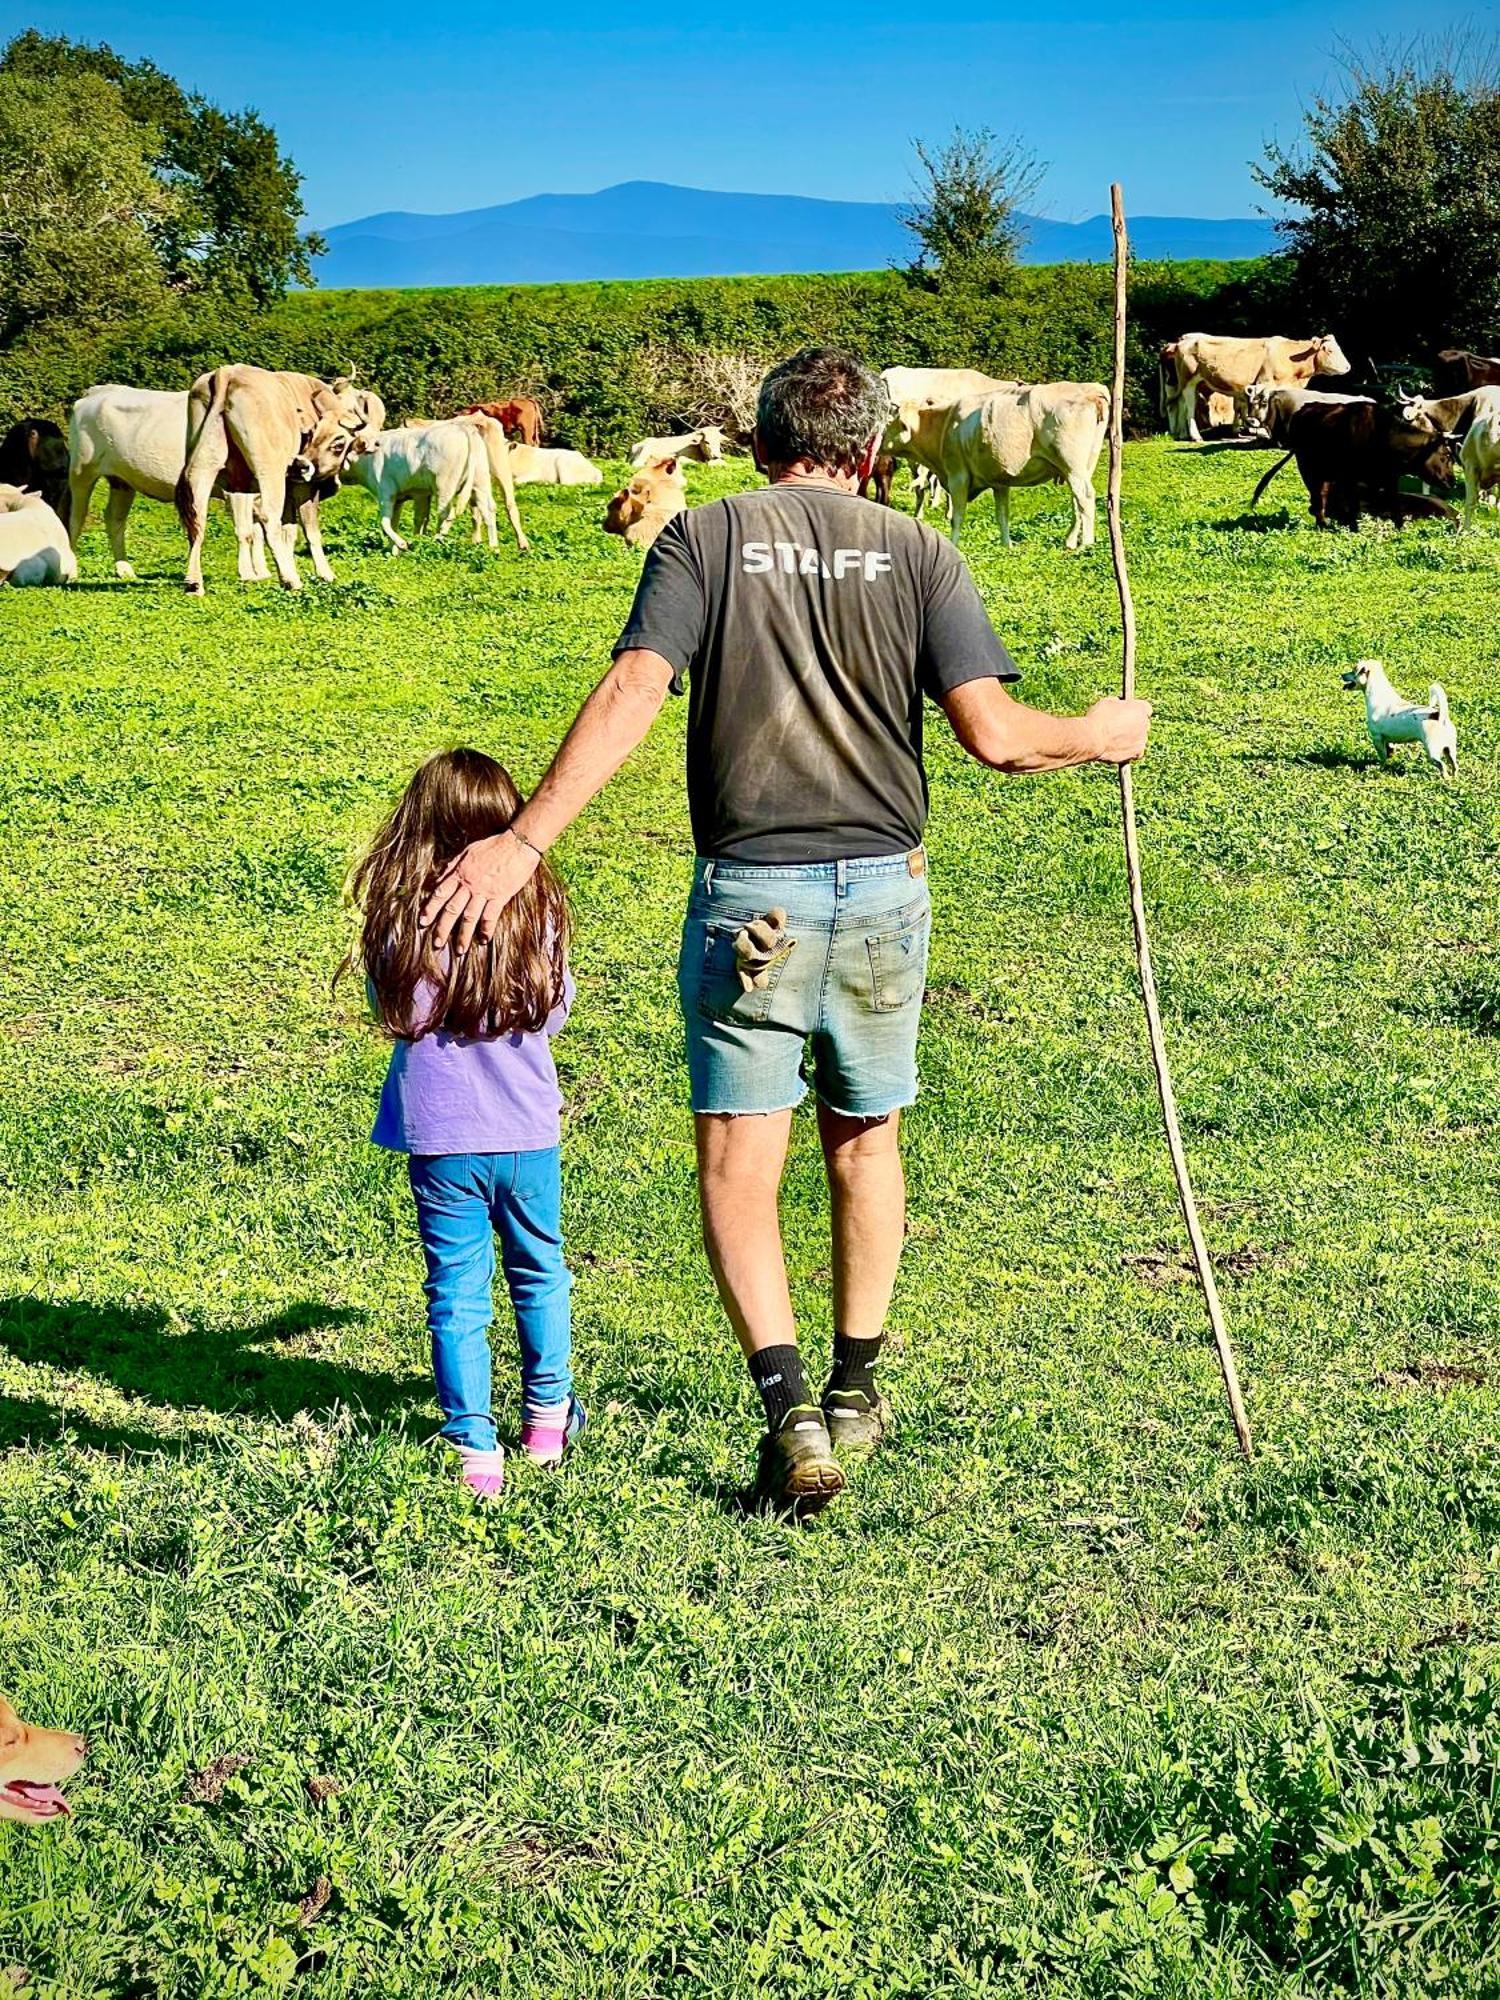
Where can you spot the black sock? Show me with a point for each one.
(777, 1373)
(854, 1363)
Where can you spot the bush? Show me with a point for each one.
(613, 362)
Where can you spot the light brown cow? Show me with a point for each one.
(519, 414)
(1048, 431)
(258, 429)
(642, 509)
(920, 400)
(1230, 365)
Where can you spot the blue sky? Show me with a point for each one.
(390, 105)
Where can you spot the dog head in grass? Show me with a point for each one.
(34, 1765)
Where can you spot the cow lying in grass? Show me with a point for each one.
(34, 545)
(706, 444)
(642, 509)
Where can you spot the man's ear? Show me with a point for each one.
(868, 457)
(758, 455)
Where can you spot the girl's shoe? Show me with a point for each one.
(483, 1472)
(546, 1444)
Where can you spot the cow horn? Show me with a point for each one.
(351, 372)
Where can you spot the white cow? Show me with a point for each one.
(1025, 437)
(34, 545)
(444, 465)
(1480, 457)
(545, 465)
(1229, 364)
(706, 444)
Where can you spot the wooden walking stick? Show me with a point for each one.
(1133, 860)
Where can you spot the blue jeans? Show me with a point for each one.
(842, 1006)
(463, 1200)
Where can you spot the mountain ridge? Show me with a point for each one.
(656, 229)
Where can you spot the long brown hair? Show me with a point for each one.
(506, 986)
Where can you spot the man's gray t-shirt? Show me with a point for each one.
(809, 624)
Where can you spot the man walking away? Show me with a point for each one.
(807, 626)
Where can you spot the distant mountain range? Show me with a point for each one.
(649, 229)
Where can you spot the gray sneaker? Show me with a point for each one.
(798, 1472)
(857, 1421)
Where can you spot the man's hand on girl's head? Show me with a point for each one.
(469, 899)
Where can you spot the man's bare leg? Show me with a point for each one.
(868, 1192)
(739, 1178)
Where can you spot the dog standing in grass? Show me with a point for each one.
(1390, 720)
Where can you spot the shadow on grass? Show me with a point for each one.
(222, 1369)
(1326, 757)
(1255, 524)
(1213, 447)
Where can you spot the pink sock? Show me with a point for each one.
(544, 1433)
(483, 1471)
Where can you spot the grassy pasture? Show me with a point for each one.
(1063, 1699)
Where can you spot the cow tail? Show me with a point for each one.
(187, 511)
(1255, 496)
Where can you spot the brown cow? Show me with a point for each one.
(1456, 370)
(520, 414)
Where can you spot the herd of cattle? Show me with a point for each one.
(273, 444)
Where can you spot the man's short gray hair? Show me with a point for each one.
(823, 405)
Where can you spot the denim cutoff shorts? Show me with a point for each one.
(841, 1009)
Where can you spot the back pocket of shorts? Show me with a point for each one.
(898, 964)
(721, 997)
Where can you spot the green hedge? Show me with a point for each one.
(593, 352)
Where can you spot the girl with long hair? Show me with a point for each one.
(471, 1098)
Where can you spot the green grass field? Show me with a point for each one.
(1063, 1699)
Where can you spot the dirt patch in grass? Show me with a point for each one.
(1427, 1373)
(1164, 1266)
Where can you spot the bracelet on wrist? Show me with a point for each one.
(516, 834)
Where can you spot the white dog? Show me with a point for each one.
(1390, 720)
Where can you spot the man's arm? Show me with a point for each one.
(614, 720)
(1008, 736)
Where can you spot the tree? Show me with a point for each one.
(1395, 234)
(234, 223)
(79, 210)
(966, 215)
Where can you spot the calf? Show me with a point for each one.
(34, 545)
(642, 509)
(34, 453)
(1354, 455)
(706, 444)
(442, 464)
(1025, 437)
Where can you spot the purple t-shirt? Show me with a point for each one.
(449, 1094)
